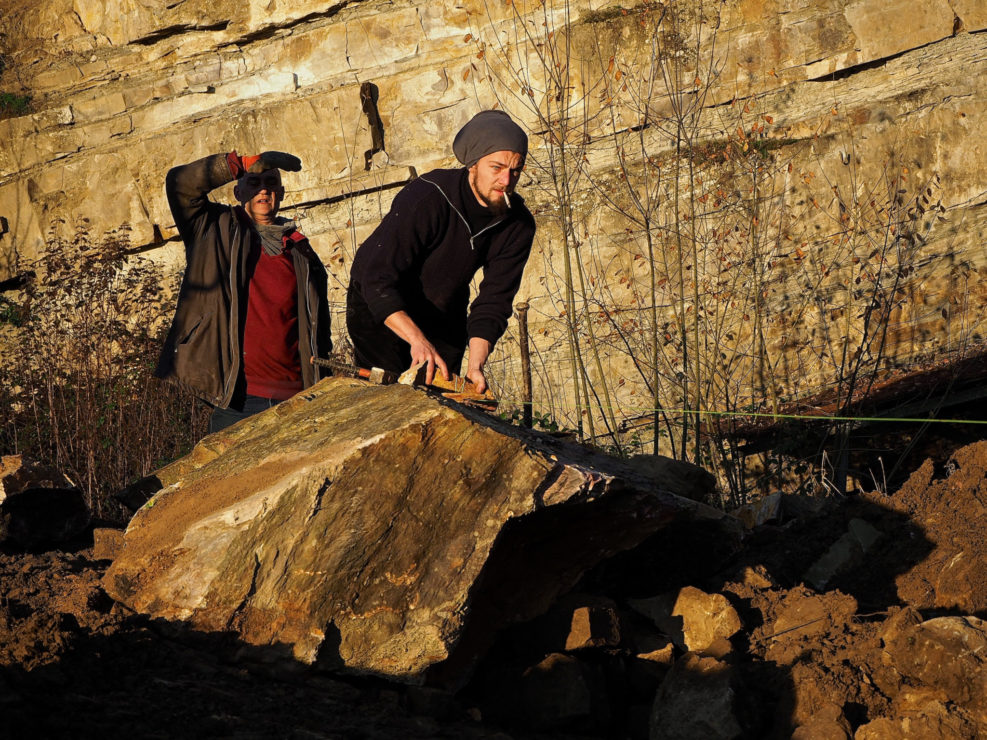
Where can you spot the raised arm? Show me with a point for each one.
(188, 185)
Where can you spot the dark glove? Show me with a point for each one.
(239, 166)
(272, 160)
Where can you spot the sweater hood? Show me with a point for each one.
(448, 182)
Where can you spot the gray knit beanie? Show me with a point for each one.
(487, 132)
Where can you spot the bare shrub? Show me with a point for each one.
(80, 346)
(700, 268)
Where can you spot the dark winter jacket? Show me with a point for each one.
(203, 348)
(423, 255)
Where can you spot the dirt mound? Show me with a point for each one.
(46, 599)
(840, 609)
(951, 510)
(872, 648)
(74, 664)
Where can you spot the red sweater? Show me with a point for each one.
(271, 361)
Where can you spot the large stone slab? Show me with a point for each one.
(940, 667)
(383, 529)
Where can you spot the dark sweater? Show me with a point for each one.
(423, 255)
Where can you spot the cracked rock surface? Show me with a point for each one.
(371, 526)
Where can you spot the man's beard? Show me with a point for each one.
(498, 207)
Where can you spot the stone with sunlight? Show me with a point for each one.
(374, 525)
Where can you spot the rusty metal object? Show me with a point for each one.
(374, 375)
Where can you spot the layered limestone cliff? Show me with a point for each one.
(795, 170)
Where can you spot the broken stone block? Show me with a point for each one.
(17, 474)
(380, 529)
(827, 723)
(719, 648)
(636, 720)
(946, 654)
(594, 626)
(846, 552)
(706, 618)
(693, 482)
(134, 496)
(696, 700)
(801, 506)
(759, 512)
(560, 691)
(643, 634)
(692, 618)
(882, 728)
(864, 533)
(39, 506)
(644, 675)
(662, 656)
(658, 609)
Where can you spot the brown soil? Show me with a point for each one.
(74, 664)
(830, 647)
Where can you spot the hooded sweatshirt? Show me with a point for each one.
(426, 250)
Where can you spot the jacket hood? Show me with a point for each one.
(448, 182)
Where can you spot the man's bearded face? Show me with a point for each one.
(493, 178)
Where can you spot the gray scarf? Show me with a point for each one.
(272, 236)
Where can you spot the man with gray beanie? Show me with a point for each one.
(408, 300)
